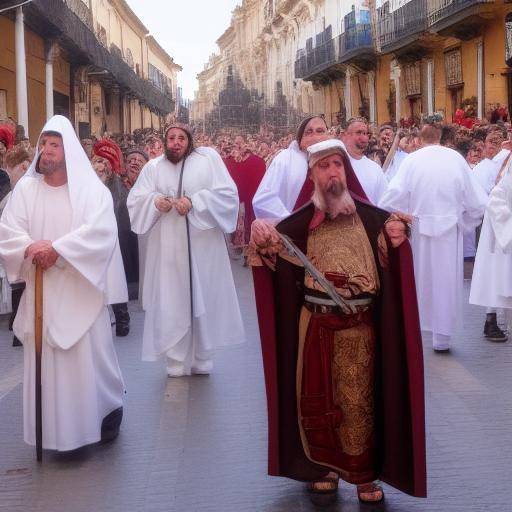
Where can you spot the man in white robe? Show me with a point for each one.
(282, 184)
(184, 201)
(487, 170)
(491, 285)
(60, 216)
(368, 172)
(435, 186)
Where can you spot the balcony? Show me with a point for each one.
(69, 22)
(322, 63)
(402, 26)
(459, 18)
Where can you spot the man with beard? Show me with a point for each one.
(135, 161)
(369, 174)
(185, 201)
(344, 388)
(106, 161)
(60, 217)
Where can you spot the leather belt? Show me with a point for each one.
(326, 306)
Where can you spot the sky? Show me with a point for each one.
(186, 30)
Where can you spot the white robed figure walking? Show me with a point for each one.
(186, 186)
(435, 186)
(491, 285)
(61, 216)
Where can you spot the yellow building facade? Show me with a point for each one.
(100, 67)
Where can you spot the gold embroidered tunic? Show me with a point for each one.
(340, 249)
(344, 347)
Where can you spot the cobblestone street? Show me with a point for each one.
(199, 444)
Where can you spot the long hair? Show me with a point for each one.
(302, 126)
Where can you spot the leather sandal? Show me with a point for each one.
(370, 493)
(326, 485)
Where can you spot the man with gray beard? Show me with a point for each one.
(344, 389)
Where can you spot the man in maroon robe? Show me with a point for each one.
(345, 392)
(247, 171)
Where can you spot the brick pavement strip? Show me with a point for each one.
(199, 443)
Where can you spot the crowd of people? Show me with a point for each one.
(356, 235)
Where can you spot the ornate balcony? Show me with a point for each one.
(460, 18)
(322, 63)
(401, 26)
(69, 22)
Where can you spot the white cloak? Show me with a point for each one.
(371, 177)
(491, 285)
(166, 290)
(281, 185)
(488, 169)
(434, 184)
(81, 379)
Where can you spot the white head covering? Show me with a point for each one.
(82, 180)
(320, 150)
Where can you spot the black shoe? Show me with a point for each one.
(122, 330)
(16, 342)
(110, 425)
(491, 330)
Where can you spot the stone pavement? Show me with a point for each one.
(199, 443)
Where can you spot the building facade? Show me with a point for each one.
(389, 61)
(91, 60)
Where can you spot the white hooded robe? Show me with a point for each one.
(81, 378)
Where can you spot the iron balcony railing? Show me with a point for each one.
(82, 11)
(404, 22)
(437, 10)
(334, 51)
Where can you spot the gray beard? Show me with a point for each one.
(334, 202)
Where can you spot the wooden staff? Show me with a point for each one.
(39, 349)
(503, 168)
(391, 153)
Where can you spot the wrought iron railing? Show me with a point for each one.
(333, 51)
(403, 22)
(82, 10)
(437, 10)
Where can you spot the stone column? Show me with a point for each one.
(348, 93)
(50, 54)
(430, 87)
(395, 76)
(21, 71)
(480, 78)
(371, 96)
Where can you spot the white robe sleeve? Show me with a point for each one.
(89, 248)
(14, 237)
(474, 200)
(141, 201)
(499, 210)
(396, 197)
(217, 205)
(267, 202)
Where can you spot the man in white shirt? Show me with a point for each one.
(368, 173)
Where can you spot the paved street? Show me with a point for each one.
(199, 444)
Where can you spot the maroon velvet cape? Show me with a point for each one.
(247, 176)
(400, 410)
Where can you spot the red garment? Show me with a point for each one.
(108, 149)
(247, 176)
(400, 411)
(7, 135)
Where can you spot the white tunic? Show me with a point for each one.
(491, 285)
(371, 177)
(166, 290)
(281, 185)
(399, 157)
(434, 184)
(81, 379)
(488, 169)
